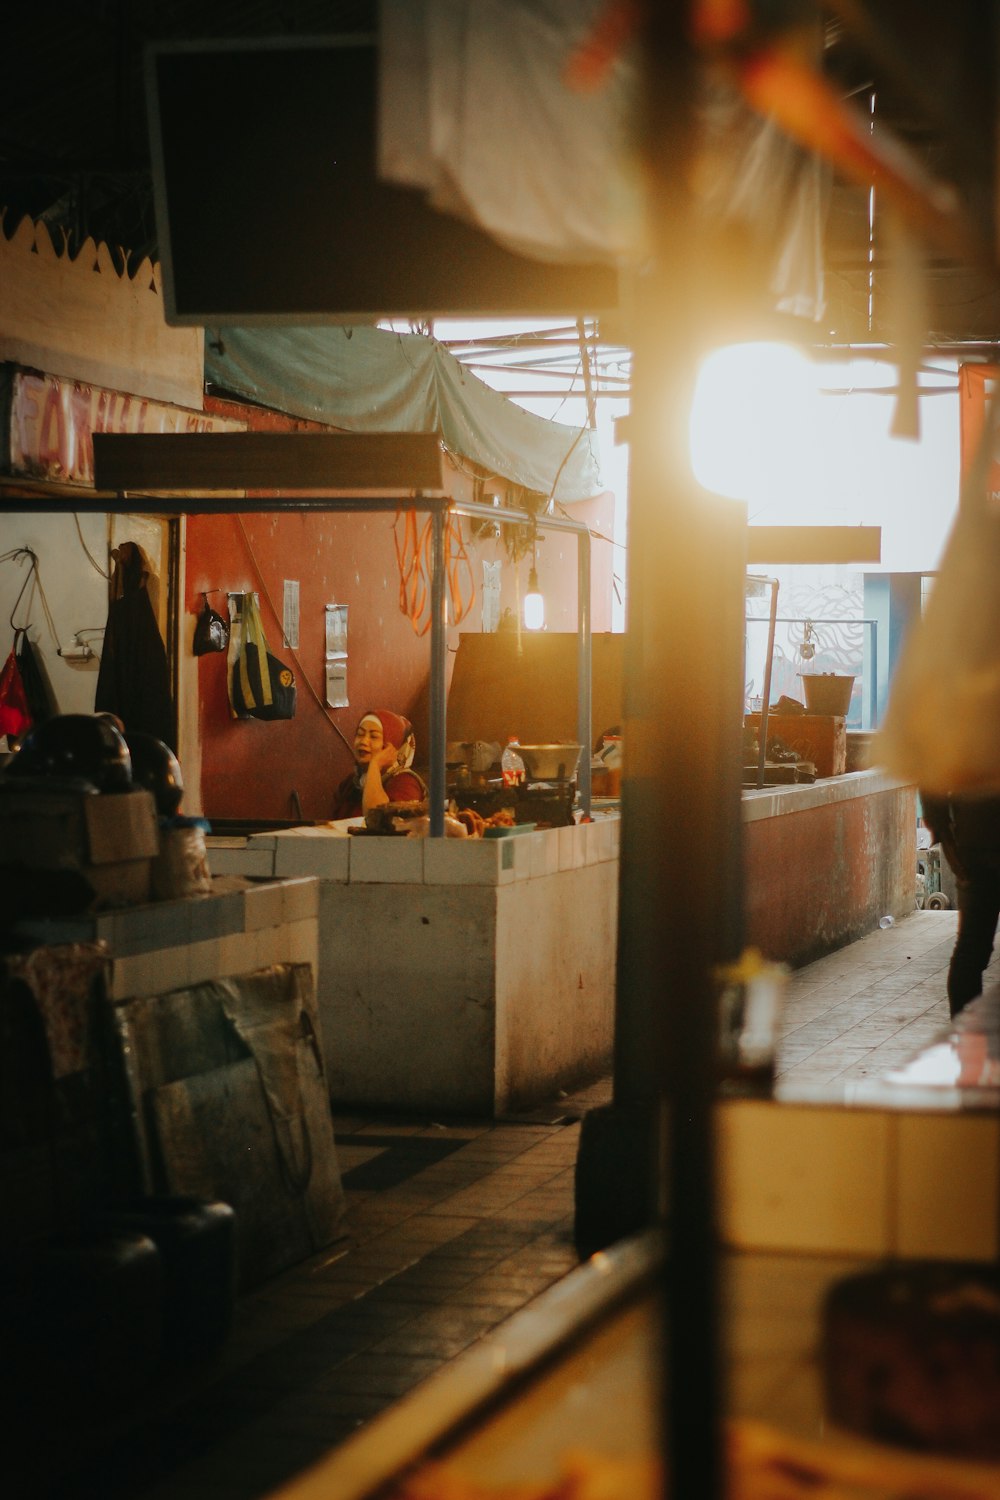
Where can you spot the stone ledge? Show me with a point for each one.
(774, 801)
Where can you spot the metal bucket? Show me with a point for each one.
(827, 692)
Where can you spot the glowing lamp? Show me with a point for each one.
(534, 604)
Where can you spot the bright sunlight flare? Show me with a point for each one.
(754, 422)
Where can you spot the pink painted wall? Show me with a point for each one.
(557, 567)
(251, 768)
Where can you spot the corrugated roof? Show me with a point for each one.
(74, 152)
(74, 145)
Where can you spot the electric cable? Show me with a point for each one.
(90, 556)
(33, 573)
(415, 564)
(323, 707)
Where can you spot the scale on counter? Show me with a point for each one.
(546, 798)
(546, 804)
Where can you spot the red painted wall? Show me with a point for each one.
(817, 879)
(250, 768)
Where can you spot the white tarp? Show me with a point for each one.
(475, 111)
(472, 109)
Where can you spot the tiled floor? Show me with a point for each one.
(869, 1007)
(452, 1226)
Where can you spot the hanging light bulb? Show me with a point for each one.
(534, 604)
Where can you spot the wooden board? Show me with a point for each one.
(81, 319)
(202, 1121)
(503, 685)
(353, 463)
(773, 545)
(217, 1140)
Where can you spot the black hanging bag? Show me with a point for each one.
(261, 686)
(211, 633)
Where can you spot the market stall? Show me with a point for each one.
(463, 976)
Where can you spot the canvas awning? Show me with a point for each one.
(365, 379)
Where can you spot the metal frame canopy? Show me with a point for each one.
(200, 473)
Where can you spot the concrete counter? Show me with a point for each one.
(457, 976)
(478, 976)
(166, 945)
(824, 863)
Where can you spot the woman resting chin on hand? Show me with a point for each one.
(384, 745)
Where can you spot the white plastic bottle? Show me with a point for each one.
(511, 764)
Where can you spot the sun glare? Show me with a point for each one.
(754, 421)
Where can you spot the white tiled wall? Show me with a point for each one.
(803, 1179)
(331, 856)
(544, 854)
(947, 1186)
(300, 899)
(463, 862)
(264, 906)
(307, 852)
(386, 861)
(859, 1181)
(443, 1009)
(172, 944)
(205, 961)
(243, 859)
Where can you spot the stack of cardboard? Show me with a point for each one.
(108, 840)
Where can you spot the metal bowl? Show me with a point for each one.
(550, 762)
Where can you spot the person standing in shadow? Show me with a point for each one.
(968, 830)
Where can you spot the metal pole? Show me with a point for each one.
(584, 691)
(504, 515)
(437, 688)
(871, 672)
(765, 701)
(588, 384)
(683, 772)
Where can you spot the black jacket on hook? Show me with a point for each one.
(134, 679)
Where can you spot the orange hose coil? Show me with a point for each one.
(413, 558)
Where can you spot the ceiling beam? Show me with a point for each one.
(371, 463)
(813, 544)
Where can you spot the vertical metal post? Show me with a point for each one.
(588, 385)
(437, 685)
(683, 771)
(765, 701)
(584, 691)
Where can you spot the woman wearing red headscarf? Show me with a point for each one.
(383, 753)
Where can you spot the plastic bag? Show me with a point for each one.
(181, 867)
(15, 716)
(261, 686)
(41, 704)
(942, 725)
(211, 633)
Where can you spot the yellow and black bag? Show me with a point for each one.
(261, 687)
